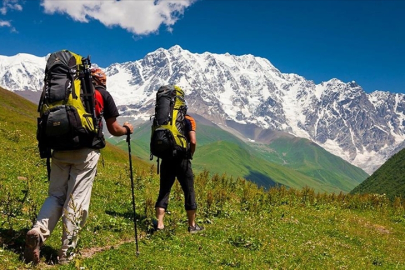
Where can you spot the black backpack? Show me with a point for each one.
(168, 138)
(67, 118)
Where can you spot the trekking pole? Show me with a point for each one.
(89, 90)
(132, 186)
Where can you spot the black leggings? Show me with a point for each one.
(169, 169)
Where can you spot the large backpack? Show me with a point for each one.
(67, 106)
(168, 138)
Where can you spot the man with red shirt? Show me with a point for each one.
(70, 186)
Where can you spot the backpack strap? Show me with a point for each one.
(72, 79)
(48, 167)
(41, 100)
(157, 168)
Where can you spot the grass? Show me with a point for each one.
(285, 237)
(246, 227)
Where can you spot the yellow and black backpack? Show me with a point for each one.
(167, 135)
(67, 106)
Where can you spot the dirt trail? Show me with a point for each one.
(87, 253)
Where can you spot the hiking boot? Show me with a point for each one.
(33, 244)
(63, 260)
(155, 226)
(195, 229)
(65, 257)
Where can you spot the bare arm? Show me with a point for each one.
(116, 129)
(193, 141)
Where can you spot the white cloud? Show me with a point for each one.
(10, 4)
(8, 24)
(138, 17)
(5, 23)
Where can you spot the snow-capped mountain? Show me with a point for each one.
(364, 129)
(22, 72)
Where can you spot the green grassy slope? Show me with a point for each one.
(234, 160)
(308, 158)
(18, 146)
(292, 162)
(389, 179)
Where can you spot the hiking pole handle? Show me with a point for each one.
(128, 134)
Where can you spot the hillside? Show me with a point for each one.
(288, 161)
(246, 227)
(315, 162)
(389, 179)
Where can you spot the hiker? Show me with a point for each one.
(71, 181)
(180, 167)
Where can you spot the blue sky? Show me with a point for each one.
(358, 40)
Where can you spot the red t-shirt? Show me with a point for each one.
(109, 108)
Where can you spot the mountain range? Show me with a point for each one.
(249, 97)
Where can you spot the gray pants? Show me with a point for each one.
(71, 182)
